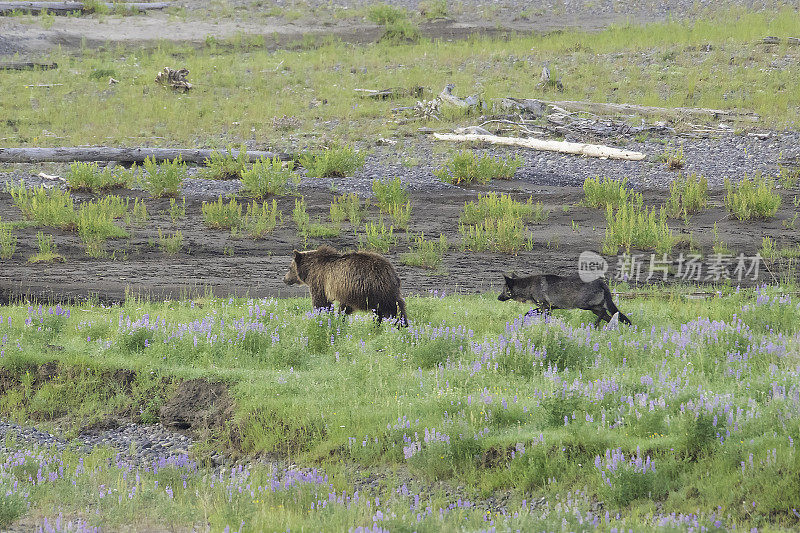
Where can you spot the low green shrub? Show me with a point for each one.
(226, 166)
(426, 253)
(496, 206)
(469, 167)
(221, 215)
(632, 226)
(332, 163)
(89, 177)
(752, 199)
(163, 179)
(267, 177)
(378, 237)
(687, 195)
(605, 192)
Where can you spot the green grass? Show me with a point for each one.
(378, 237)
(473, 396)
(687, 195)
(45, 207)
(634, 226)
(347, 207)
(170, 244)
(752, 198)
(95, 221)
(426, 253)
(607, 191)
(163, 179)
(384, 14)
(221, 215)
(268, 177)
(496, 206)
(47, 250)
(308, 228)
(389, 193)
(469, 167)
(177, 211)
(89, 177)
(8, 241)
(599, 66)
(224, 166)
(335, 162)
(259, 220)
(505, 234)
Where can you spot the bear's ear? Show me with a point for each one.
(509, 279)
(297, 255)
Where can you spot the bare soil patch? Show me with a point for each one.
(215, 261)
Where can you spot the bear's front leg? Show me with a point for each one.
(319, 301)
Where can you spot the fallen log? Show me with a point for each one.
(64, 8)
(26, 65)
(128, 155)
(602, 108)
(591, 150)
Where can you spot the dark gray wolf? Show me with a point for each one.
(563, 292)
(359, 281)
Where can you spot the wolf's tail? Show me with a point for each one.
(613, 308)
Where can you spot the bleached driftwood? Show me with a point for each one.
(26, 65)
(63, 8)
(133, 155)
(602, 108)
(590, 150)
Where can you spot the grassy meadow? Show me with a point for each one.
(475, 417)
(243, 92)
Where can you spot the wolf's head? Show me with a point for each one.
(508, 290)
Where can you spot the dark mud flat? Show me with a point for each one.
(214, 261)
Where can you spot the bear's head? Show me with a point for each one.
(297, 273)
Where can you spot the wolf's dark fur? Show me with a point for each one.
(359, 281)
(563, 292)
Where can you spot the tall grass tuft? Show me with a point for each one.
(631, 226)
(307, 227)
(163, 179)
(96, 223)
(505, 234)
(752, 198)
(608, 191)
(8, 241)
(224, 166)
(378, 237)
(47, 250)
(347, 207)
(46, 207)
(260, 219)
(221, 215)
(496, 206)
(687, 195)
(335, 162)
(89, 177)
(469, 167)
(267, 177)
(426, 253)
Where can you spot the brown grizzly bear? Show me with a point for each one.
(359, 281)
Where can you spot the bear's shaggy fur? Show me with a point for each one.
(359, 281)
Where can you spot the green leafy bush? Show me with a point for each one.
(267, 177)
(468, 167)
(752, 199)
(163, 179)
(333, 162)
